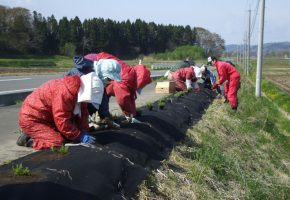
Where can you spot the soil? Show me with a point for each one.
(10, 178)
(116, 165)
(282, 81)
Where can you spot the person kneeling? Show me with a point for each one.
(56, 112)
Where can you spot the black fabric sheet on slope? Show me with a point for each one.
(117, 164)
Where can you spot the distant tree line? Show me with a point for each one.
(23, 32)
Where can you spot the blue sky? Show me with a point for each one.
(227, 18)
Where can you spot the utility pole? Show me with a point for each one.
(249, 44)
(241, 53)
(237, 54)
(289, 57)
(245, 53)
(260, 50)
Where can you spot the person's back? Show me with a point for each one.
(39, 102)
(46, 110)
(226, 70)
(124, 90)
(183, 74)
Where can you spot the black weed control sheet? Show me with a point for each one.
(115, 166)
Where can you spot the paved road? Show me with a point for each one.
(13, 84)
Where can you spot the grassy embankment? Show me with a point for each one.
(228, 155)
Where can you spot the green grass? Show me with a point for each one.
(280, 97)
(20, 170)
(149, 105)
(181, 53)
(229, 155)
(181, 93)
(18, 102)
(272, 66)
(37, 62)
(161, 104)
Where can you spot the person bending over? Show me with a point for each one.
(185, 78)
(227, 72)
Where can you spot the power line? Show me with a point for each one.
(255, 16)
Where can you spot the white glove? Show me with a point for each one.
(115, 124)
(188, 83)
(132, 119)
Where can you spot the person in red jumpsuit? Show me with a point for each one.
(186, 78)
(56, 112)
(226, 72)
(133, 79)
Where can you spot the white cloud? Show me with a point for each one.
(18, 3)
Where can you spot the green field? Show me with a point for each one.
(273, 66)
(67, 62)
(36, 62)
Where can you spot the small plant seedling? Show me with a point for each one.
(18, 102)
(61, 150)
(161, 105)
(179, 94)
(149, 105)
(20, 170)
(163, 99)
(189, 90)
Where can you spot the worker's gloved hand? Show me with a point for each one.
(214, 86)
(132, 120)
(86, 138)
(110, 123)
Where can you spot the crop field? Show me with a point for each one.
(277, 70)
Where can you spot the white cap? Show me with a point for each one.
(209, 59)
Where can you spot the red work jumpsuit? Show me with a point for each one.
(132, 78)
(227, 72)
(181, 75)
(46, 115)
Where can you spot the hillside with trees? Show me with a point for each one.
(276, 49)
(23, 32)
